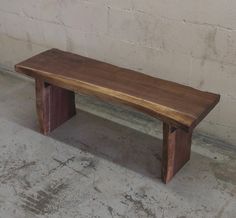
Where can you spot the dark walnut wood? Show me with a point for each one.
(54, 105)
(180, 107)
(176, 150)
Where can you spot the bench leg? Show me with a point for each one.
(55, 105)
(176, 150)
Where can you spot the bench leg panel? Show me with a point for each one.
(176, 150)
(55, 105)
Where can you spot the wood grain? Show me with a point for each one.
(175, 152)
(178, 105)
(58, 74)
(54, 105)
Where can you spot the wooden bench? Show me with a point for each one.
(59, 74)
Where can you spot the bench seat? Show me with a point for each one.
(59, 74)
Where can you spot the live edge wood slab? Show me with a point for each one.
(59, 74)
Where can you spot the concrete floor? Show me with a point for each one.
(92, 167)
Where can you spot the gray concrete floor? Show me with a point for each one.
(92, 167)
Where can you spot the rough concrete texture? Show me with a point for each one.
(186, 41)
(92, 167)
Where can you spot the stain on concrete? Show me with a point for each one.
(139, 206)
(141, 193)
(110, 210)
(158, 156)
(221, 211)
(211, 41)
(43, 201)
(12, 171)
(88, 163)
(210, 45)
(201, 83)
(225, 171)
(69, 43)
(97, 189)
(25, 183)
(29, 43)
(66, 164)
(61, 164)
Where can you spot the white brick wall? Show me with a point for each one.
(186, 41)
